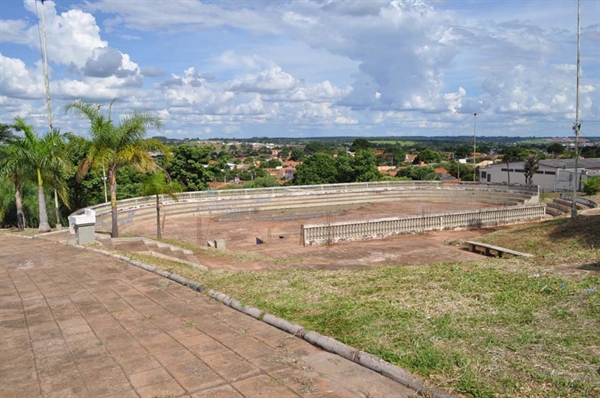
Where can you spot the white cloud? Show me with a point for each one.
(271, 80)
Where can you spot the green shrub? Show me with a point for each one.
(591, 186)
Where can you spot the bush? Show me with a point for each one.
(591, 186)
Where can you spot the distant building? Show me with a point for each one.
(553, 174)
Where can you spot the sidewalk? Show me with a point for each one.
(74, 323)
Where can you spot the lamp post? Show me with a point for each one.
(577, 125)
(104, 181)
(474, 141)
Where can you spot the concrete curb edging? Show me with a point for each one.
(326, 343)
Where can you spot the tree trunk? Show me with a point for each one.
(112, 176)
(19, 203)
(56, 211)
(158, 232)
(508, 170)
(44, 226)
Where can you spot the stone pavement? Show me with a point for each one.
(74, 323)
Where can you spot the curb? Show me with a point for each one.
(369, 361)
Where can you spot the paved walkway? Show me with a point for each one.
(74, 323)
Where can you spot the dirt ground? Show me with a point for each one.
(280, 232)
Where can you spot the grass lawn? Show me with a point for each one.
(492, 328)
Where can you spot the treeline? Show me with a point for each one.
(43, 178)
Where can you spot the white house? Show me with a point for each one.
(552, 175)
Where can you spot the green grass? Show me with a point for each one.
(491, 328)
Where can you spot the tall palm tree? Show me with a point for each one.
(159, 184)
(14, 169)
(116, 145)
(37, 154)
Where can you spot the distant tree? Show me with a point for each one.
(462, 152)
(418, 173)
(364, 166)
(590, 152)
(397, 153)
(249, 160)
(427, 156)
(556, 149)
(270, 164)
(317, 169)
(262, 182)
(284, 153)
(297, 155)
(531, 166)
(460, 170)
(314, 147)
(360, 143)
(188, 167)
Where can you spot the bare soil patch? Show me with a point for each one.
(280, 232)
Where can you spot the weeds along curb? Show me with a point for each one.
(329, 344)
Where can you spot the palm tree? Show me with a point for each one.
(114, 146)
(14, 169)
(37, 155)
(159, 184)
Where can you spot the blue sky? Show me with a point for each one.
(244, 68)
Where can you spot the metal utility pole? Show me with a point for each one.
(577, 125)
(474, 141)
(48, 104)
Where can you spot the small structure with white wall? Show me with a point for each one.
(553, 175)
(84, 227)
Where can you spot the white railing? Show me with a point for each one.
(387, 227)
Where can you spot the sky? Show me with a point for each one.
(307, 68)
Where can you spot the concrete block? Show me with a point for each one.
(220, 244)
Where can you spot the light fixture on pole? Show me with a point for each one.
(104, 180)
(474, 141)
(577, 125)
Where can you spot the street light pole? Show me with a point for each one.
(104, 180)
(474, 141)
(577, 125)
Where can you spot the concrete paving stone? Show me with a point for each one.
(219, 392)
(105, 381)
(161, 390)
(124, 394)
(82, 336)
(170, 358)
(270, 363)
(184, 335)
(195, 375)
(190, 336)
(68, 332)
(25, 390)
(149, 377)
(44, 331)
(102, 322)
(138, 364)
(236, 370)
(214, 329)
(94, 359)
(304, 382)
(263, 386)
(207, 348)
(160, 339)
(248, 347)
(78, 391)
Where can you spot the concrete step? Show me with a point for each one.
(554, 212)
(559, 207)
(569, 204)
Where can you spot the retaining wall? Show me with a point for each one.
(317, 234)
(252, 200)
